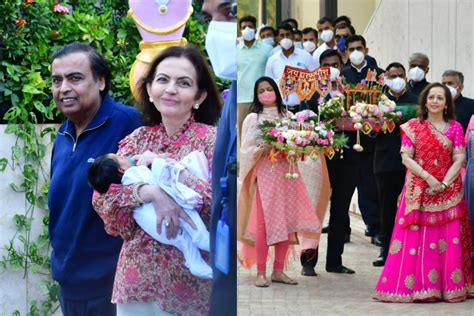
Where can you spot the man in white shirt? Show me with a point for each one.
(289, 55)
(326, 33)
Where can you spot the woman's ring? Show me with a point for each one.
(167, 224)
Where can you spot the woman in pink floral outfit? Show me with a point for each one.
(180, 104)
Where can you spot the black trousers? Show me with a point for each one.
(389, 187)
(344, 176)
(367, 193)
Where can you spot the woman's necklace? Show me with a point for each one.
(439, 126)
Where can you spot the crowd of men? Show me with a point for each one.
(377, 171)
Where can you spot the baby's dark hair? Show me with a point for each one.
(103, 172)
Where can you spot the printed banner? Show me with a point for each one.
(305, 82)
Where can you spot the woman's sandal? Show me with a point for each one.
(280, 277)
(261, 281)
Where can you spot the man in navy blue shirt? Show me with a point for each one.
(84, 257)
(221, 47)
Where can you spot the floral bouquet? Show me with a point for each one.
(299, 137)
(333, 109)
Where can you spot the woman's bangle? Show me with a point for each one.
(445, 184)
(135, 193)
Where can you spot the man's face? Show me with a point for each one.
(357, 45)
(75, 91)
(246, 24)
(453, 81)
(310, 37)
(285, 34)
(394, 72)
(331, 61)
(297, 37)
(345, 32)
(325, 26)
(419, 62)
(218, 10)
(266, 33)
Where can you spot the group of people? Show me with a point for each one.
(409, 183)
(164, 175)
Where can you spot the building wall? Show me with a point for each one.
(359, 11)
(442, 29)
(306, 12)
(15, 291)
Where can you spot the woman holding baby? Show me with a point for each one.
(180, 104)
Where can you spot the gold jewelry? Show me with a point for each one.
(445, 184)
(167, 30)
(135, 193)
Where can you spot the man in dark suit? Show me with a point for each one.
(388, 168)
(354, 73)
(464, 107)
(329, 58)
(224, 160)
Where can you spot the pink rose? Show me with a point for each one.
(280, 138)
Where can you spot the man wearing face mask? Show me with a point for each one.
(343, 31)
(310, 39)
(365, 179)
(267, 35)
(289, 55)
(309, 257)
(388, 168)
(464, 107)
(221, 48)
(418, 68)
(298, 39)
(252, 57)
(326, 31)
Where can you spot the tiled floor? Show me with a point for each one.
(330, 293)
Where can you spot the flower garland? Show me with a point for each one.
(299, 137)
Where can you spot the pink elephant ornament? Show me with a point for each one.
(161, 24)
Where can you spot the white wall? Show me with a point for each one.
(442, 29)
(15, 291)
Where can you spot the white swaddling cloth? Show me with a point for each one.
(166, 173)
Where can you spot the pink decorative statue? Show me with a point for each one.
(161, 24)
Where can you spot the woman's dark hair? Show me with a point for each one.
(209, 110)
(103, 172)
(448, 114)
(256, 106)
(99, 65)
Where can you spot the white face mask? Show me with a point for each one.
(334, 74)
(327, 35)
(416, 74)
(309, 46)
(454, 91)
(221, 47)
(248, 34)
(356, 57)
(396, 85)
(286, 43)
(269, 40)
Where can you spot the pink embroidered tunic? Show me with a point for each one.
(147, 270)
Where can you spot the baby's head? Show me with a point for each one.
(107, 169)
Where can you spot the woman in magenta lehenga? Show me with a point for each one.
(429, 255)
(271, 208)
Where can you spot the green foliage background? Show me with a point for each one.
(31, 32)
